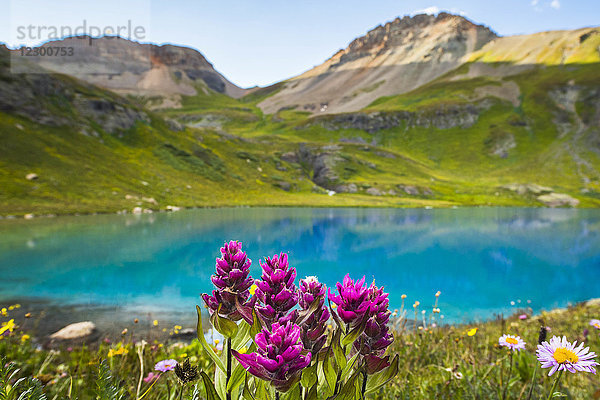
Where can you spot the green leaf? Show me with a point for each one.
(224, 326)
(338, 352)
(256, 324)
(329, 372)
(220, 383)
(348, 368)
(218, 362)
(246, 394)
(242, 337)
(348, 391)
(355, 332)
(312, 393)
(558, 394)
(382, 377)
(262, 390)
(237, 377)
(211, 393)
(309, 374)
(294, 393)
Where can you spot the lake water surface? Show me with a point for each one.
(481, 259)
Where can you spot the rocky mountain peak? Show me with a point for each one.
(143, 69)
(393, 58)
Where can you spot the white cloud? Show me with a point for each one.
(433, 10)
(428, 10)
(555, 4)
(534, 2)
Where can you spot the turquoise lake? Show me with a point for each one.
(481, 259)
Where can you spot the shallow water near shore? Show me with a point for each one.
(114, 268)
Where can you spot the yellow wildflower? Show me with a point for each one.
(8, 326)
(403, 296)
(253, 289)
(25, 338)
(155, 322)
(3, 312)
(118, 352)
(177, 327)
(472, 332)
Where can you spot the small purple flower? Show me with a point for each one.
(513, 342)
(165, 365)
(562, 355)
(313, 315)
(233, 282)
(280, 357)
(276, 291)
(151, 377)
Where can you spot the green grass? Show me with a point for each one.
(442, 362)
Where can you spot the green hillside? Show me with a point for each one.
(460, 140)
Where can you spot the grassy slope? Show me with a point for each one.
(237, 161)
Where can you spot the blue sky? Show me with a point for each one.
(264, 41)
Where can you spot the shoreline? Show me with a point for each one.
(30, 216)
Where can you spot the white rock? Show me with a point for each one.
(150, 200)
(137, 210)
(173, 208)
(75, 331)
(28, 216)
(32, 176)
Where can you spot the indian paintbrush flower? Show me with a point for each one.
(276, 291)
(280, 356)
(561, 355)
(512, 342)
(352, 301)
(376, 337)
(233, 282)
(314, 314)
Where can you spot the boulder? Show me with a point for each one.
(75, 331)
(558, 200)
(374, 192)
(31, 177)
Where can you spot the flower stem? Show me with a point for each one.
(228, 366)
(508, 377)
(364, 385)
(276, 395)
(554, 385)
(532, 382)
(181, 392)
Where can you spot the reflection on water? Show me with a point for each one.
(481, 259)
